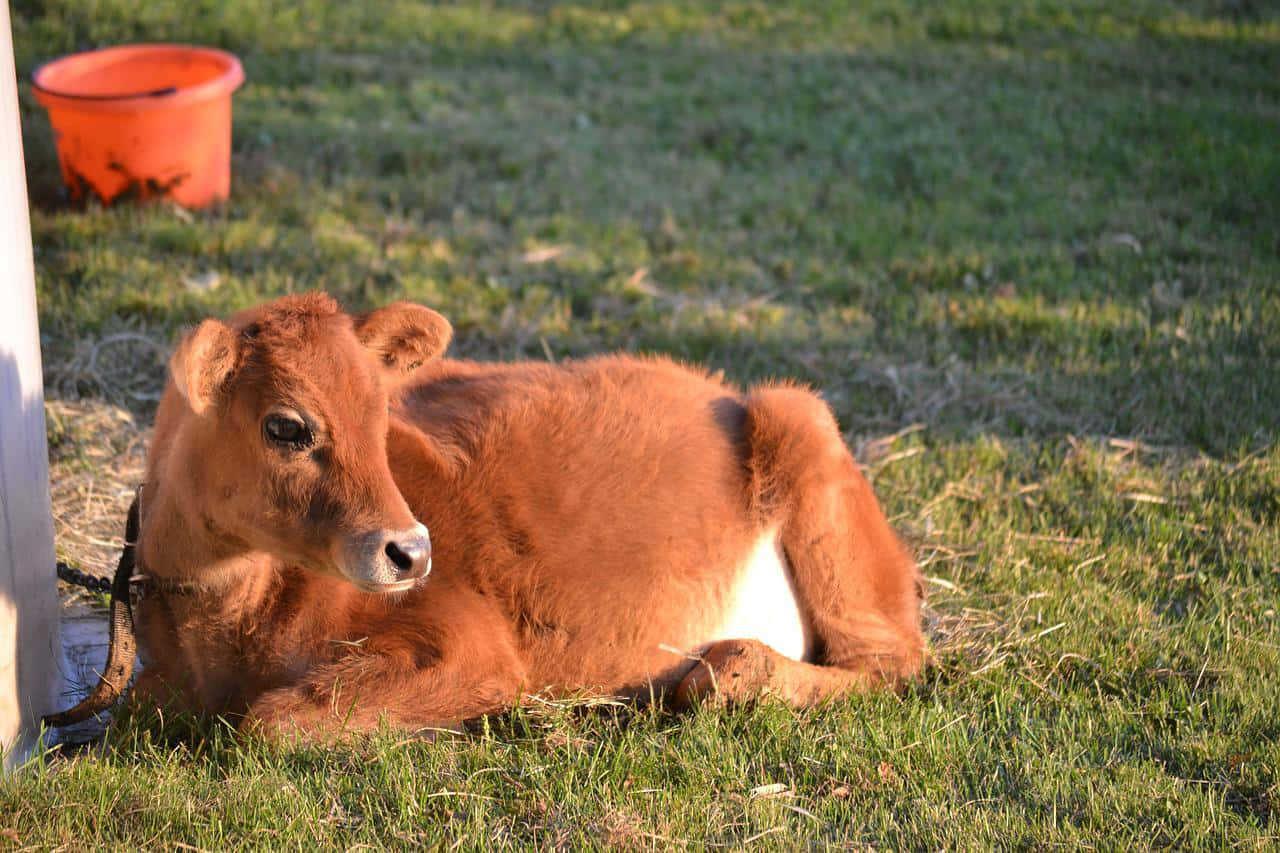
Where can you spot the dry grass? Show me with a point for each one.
(97, 460)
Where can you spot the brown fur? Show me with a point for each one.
(586, 518)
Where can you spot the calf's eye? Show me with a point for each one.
(287, 430)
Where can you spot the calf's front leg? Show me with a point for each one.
(392, 684)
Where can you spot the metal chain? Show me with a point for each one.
(79, 578)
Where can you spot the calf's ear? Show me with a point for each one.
(403, 336)
(203, 363)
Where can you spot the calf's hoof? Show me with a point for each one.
(729, 672)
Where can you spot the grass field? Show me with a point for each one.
(1030, 252)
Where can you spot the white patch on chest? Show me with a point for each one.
(761, 603)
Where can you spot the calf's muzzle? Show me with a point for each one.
(410, 553)
(388, 560)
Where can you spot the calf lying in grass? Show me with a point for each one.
(621, 525)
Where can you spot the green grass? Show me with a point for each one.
(1048, 232)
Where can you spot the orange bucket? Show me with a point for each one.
(143, 121)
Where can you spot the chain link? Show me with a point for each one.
(78, 578)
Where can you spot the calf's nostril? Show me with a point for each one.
(403, 561)
(410, 554)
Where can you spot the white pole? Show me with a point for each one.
(29, 648)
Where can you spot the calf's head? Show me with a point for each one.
(284, 438)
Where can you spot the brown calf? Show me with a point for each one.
(620, 525)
